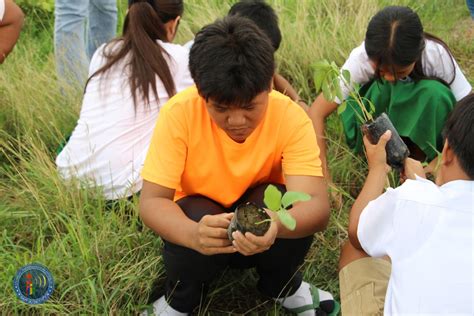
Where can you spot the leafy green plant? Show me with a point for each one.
(279, 204)
(45, 5)
(328, 78)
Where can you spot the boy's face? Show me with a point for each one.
(239, 121)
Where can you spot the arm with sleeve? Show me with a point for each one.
(358, 64)
(303, 172)
(376, 224)
(438, 62)
(167, 152)
(301, 152)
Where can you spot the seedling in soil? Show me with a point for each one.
(328, 78)
(249, 217)
(279, 204)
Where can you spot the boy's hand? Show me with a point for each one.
(432, 167)
(376, 154)
(249, 244)
(411, 168)
(211, 235)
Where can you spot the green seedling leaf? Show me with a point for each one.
(372, 106)
(347, 76)
(291, 197)
(342, 107)
(327, 92)
(286, 219)
(272, 198)
(337, 88)
(322, 65)
(322, 69)
(318, 79)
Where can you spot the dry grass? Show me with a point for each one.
(101, 261)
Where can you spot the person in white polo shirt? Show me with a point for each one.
(11, 22)
(425, 229)
(130, 79)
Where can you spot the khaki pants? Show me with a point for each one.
(363, 284)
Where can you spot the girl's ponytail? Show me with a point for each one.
(142, 28)
(144, 25)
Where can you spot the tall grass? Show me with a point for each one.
(101, 260)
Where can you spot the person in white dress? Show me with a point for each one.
(130, 78)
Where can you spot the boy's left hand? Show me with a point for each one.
(249, 244)
(412, 169)
(376, 154)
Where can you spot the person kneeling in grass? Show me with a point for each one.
(11, 23)
(425, 229)
(217, 145)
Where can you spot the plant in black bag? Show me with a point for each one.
(328, 78)
(249, 217)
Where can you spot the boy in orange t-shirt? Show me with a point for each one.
(220, 144)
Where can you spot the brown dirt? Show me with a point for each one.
(248, 215)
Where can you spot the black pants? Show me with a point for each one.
(189, 273)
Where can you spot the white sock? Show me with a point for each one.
(303, 297)
(162, 308)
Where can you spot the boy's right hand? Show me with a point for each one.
(376, 154)
(412, 167)
(211, 235)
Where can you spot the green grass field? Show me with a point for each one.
(102, 263)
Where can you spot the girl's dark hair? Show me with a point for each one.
(460, 134)
(144, 25)
(395, 37)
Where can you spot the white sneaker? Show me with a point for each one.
(162, 308)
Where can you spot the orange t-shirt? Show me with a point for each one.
(190, 153)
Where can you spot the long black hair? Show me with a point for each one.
(395, 37)
(144, 25)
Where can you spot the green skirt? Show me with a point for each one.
(418, 110)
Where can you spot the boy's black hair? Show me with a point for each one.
(231, 61)
(459, 132)
(261, 14)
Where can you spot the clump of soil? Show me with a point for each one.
(246, 217)
(397, 150)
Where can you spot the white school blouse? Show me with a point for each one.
(110, 141)
(436, 62)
